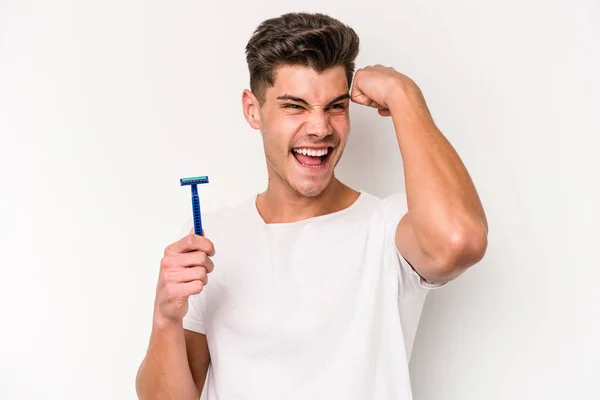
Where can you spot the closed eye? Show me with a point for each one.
(336, 107)
(293, 106)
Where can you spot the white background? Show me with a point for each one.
(105, 105)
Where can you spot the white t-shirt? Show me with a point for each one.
(324, 308)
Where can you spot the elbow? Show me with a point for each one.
(464, 248)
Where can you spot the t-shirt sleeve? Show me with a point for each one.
(410, 281)
(193, 319)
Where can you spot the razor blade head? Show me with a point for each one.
(193, 181)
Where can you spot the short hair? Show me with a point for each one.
(313, 40)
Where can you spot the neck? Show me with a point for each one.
(283, 204)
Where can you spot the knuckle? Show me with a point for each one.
(197, 287)
(163, 262)
(202, 273)
(167, 262)
(194, 274)
(208, 246)
(168, 276)
(211, 247)
(190, 240)
(203, 258)
(210, 266)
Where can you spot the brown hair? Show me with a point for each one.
(312, 40)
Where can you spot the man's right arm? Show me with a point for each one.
(175, 365)
(177, 360)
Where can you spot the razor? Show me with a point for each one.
(194, 182)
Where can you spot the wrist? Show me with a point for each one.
(163, 323)
(402, 94)
(407, 105)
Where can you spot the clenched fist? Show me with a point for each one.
(383, 87)
(184, 271)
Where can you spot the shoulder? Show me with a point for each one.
(388, 205)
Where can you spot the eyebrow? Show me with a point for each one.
(300, 100)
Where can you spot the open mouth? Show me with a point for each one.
(312, 158)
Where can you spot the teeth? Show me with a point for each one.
(313, 153)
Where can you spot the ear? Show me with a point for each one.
(251, 109)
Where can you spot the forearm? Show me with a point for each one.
(445, 209)
(165, 371)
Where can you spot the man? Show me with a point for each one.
(316, 289)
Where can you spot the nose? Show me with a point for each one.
(318, 124)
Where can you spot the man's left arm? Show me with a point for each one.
(445, 229)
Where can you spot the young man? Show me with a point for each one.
(316, 289)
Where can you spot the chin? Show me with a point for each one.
(310, 189)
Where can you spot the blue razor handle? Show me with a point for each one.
(194, 182)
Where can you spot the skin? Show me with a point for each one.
(445, 229)
(295, 193)
(443, 233)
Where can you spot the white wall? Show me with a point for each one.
(105, 105)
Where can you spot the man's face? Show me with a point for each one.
(305, 124)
